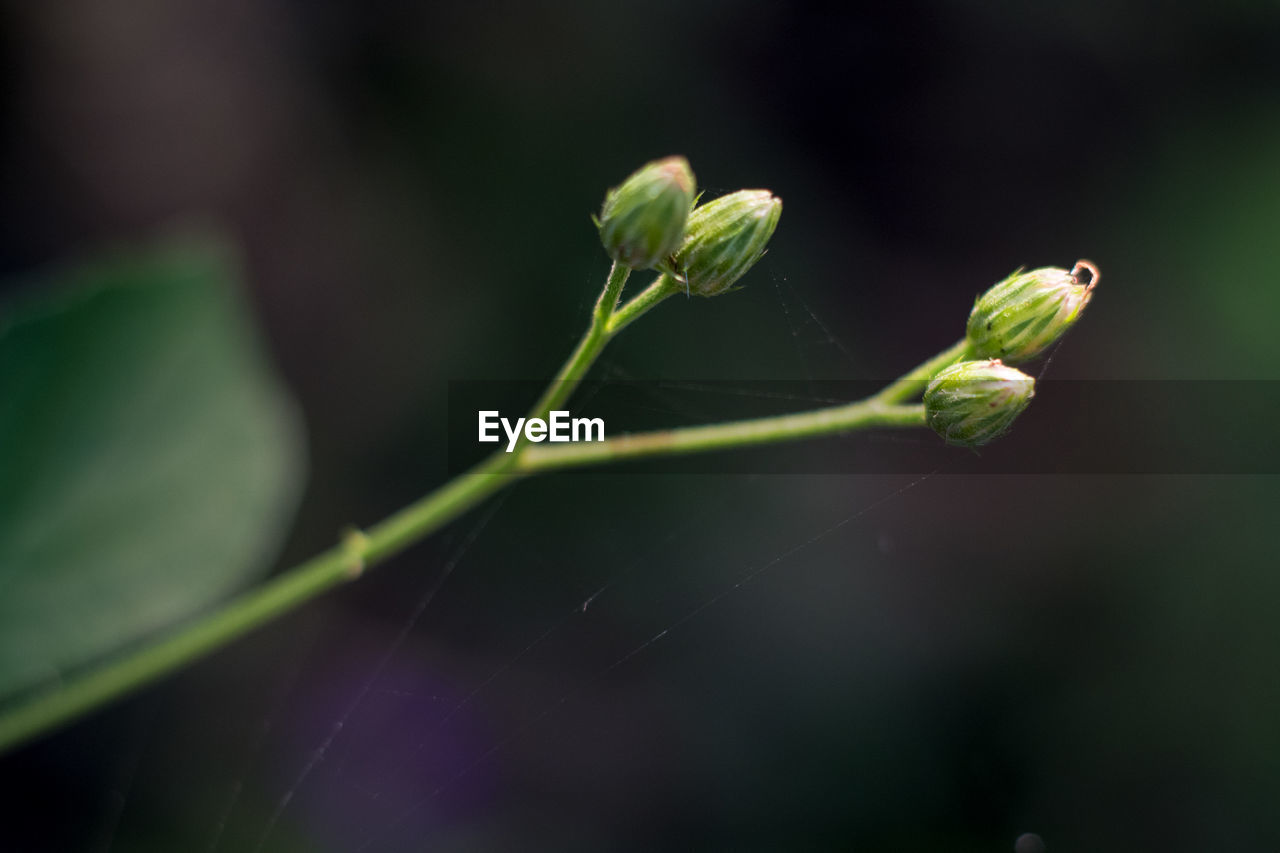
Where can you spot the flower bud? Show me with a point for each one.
(1022, 315)
(724, 239)
(973, 402)
(643, 220)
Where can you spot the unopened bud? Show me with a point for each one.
(643, 220)
(724, 239)
(1022, 315)
(973, 402)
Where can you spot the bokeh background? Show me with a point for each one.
(858, 662)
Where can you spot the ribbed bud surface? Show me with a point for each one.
(973, 402)
(1020, 317)
(724, 239)
(643, 220)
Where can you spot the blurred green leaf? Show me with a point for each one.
(149, 457)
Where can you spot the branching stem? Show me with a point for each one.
(99, 684)
(914, 381)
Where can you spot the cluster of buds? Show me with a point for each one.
(651, 221)
(973, 402)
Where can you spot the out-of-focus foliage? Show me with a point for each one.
(148, 455)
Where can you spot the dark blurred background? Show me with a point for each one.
(914, 665)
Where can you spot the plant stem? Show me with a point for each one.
(914, 381)
(864, 414)
(607, 320)
(662, 287)
(82, 692)
(588, 348)
(256, 607)
(115, 677)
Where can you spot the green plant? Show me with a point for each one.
(649, 222)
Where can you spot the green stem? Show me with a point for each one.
(90, 689)
(864, 414)
(662, 287)
(345, 562)
(116, 677)
(607, 320)
(914, 381)
(588, 348)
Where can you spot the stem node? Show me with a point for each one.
(354, 543)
